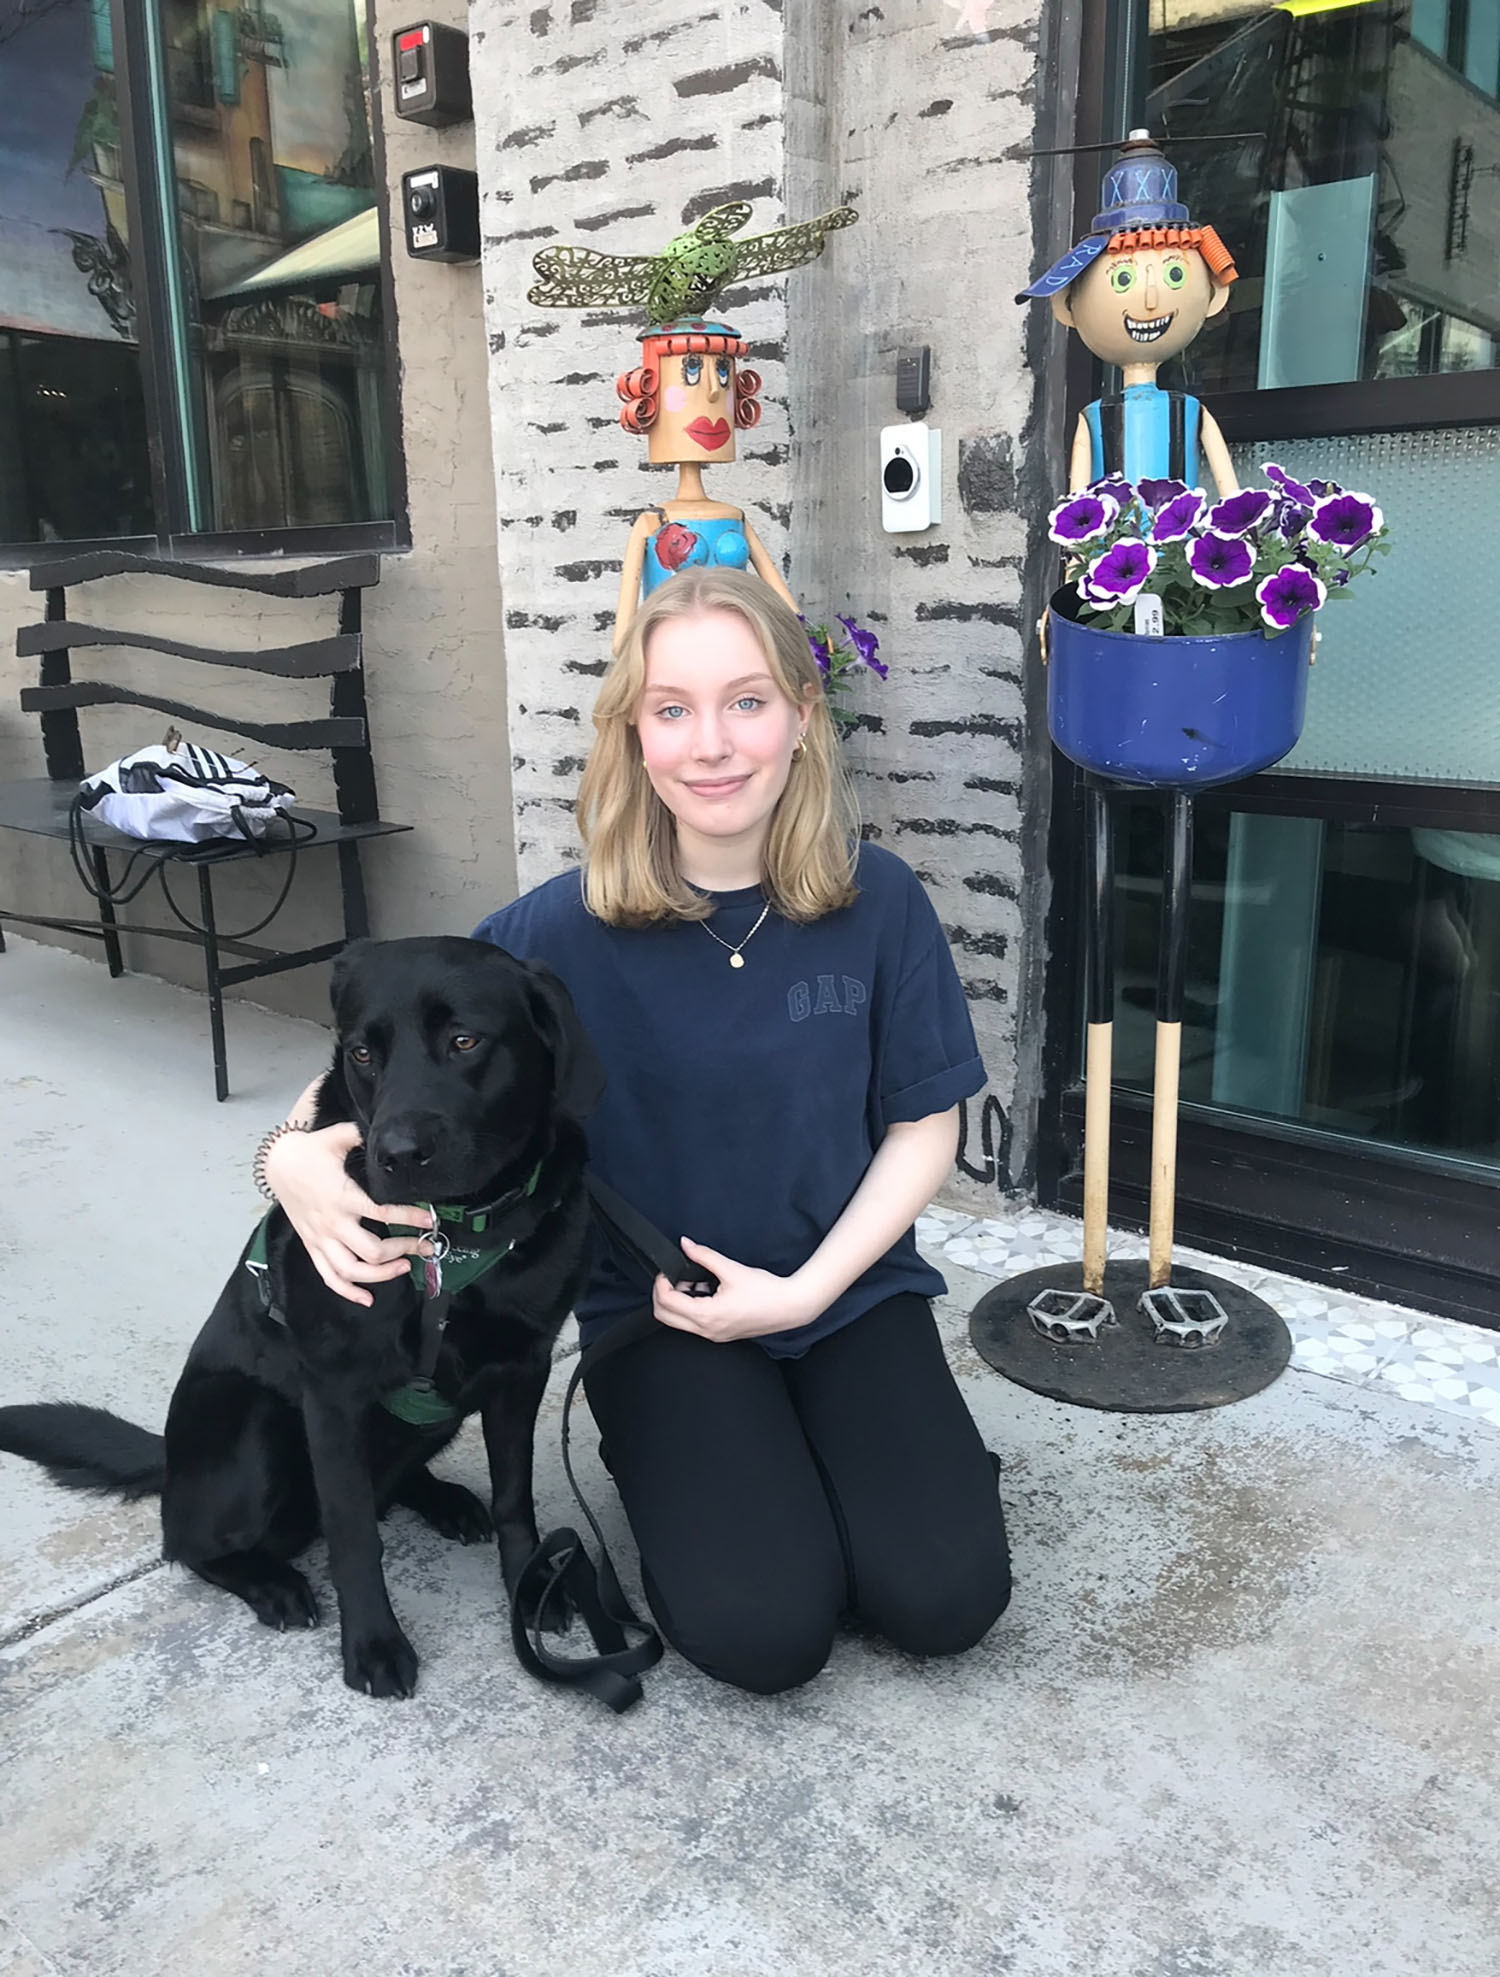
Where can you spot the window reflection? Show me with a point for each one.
(1340, 976)
(1365, 218)
(275, 178)
(73, 456)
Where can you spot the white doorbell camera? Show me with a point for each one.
(911, 478)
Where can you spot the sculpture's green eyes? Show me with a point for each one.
(1122, 278)
(1174, 274)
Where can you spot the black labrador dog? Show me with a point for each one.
(467, 1073)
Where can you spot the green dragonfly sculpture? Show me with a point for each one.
(690, 273)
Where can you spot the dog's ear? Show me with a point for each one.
(346, 964)
(577, 1074)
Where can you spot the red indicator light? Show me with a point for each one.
(412, 38)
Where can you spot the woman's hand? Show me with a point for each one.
(305, 1171)
(747, 1305)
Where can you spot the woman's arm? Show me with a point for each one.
(909, 1167)
(305, 1172)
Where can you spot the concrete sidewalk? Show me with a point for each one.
(1240, 1720)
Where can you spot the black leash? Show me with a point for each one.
(613, 1672)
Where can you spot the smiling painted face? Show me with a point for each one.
(1141, 305)
(695, 410)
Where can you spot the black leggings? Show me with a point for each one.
(771, 1497)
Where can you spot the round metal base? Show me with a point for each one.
(1126, 1370)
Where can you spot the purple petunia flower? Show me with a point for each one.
(1179, 516)
(820, 642)
(1081, 518)
(1297, 491)
(1289, 517)
(1238, 514)
(1218, 562)
(1286, 594)
(1156, 494)
(1344, 521)
(1117, 575)
(866, 644)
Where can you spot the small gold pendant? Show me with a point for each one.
(736, 960)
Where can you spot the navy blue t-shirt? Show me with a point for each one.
(744, 1105)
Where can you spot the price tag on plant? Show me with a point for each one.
(1148, 619)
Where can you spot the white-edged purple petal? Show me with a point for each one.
(1219, 562)
(1294, 490)
(1287, 593)
(1081, 518)
(1180, 516)
(1238, 514)
(1121, 569)
(1344, 521)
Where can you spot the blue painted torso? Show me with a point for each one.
(1144, 433)
(720, 542)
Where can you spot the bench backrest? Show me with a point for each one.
(57, 696)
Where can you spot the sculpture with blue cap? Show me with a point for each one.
(1138, 288)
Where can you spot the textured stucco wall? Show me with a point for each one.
(434, 654)
(614, 127)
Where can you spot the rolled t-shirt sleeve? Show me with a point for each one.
(929, 1059)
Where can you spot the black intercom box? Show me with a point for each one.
(440, 207)
(430, 64)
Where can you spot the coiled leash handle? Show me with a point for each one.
(560, 1561)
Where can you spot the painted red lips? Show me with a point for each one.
(710, 434)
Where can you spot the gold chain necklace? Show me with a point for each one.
(736, 958)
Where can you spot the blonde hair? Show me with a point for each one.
(632, 877)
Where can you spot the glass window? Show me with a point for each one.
(259, 272)
(1340, 976)
(281, 287)
(74, 462)
(1364, 213)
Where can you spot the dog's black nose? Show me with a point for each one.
(404, 1147)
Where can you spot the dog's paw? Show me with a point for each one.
(285, 1602)
(456, 1513)
(381, 1665)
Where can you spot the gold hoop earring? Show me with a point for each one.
(801, 749)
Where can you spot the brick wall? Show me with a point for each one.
(616, 125)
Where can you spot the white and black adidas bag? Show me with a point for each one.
(183, 795)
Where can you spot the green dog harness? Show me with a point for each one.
(460, 1260)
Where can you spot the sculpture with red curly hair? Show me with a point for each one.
(691, 392)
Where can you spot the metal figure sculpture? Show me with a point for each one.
(691, 391)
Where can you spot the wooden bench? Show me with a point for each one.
(43, 807)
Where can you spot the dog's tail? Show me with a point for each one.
(83, 1448)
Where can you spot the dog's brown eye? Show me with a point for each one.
(463, 1041)
(358, 1053)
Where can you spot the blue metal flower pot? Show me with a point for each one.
(1175, 713)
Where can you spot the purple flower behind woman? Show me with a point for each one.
(1218, 562)
(821, 642)
(866, 644)
(1287, 593)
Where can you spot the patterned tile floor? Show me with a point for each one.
(1450, 1366)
